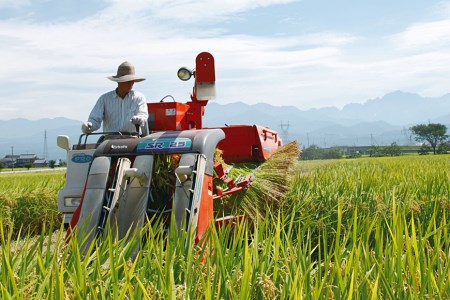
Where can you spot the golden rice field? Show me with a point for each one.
(30, 199)
(371, 228)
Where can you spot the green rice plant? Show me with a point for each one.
(419, 183)
(268, 262)
(28, 200)
(352, 229)
(25, 182)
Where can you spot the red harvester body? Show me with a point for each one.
(114, 180)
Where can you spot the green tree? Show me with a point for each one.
(314, 152)
(1, 166)
(355, 154)
(392, 150)
(424, 149)
(310, 153)
(443, 148)
(28, 166)
(52, 164)
(333, 153)
(433, 133)
(374, 151)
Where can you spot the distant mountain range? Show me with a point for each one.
(379, 121)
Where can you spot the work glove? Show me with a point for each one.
(137, 121)
(86, 127)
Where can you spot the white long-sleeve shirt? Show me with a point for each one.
(116, 113)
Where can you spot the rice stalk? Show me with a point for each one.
(271, 183)
(163, 179)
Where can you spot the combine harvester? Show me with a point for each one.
(126, 180)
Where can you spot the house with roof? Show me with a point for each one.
(39, 163)
(21, 160)
(25, 159)
(9, 161)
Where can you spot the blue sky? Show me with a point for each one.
(56, 54)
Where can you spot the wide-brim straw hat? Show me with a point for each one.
(126, 72)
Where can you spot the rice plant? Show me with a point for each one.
(28, 200)
(363, 229)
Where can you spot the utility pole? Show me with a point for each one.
(45, 145)
(12, 158)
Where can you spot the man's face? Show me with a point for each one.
(126, 86)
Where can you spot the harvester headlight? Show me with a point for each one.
(72, 201)
(184, 74)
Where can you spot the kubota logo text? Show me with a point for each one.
(119, 147)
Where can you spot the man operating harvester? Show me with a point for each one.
(122, 109)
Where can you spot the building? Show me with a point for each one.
(22, 160)
(39, 163)
(25, 159)
(9, 161)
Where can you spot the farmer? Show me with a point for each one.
(122, 109)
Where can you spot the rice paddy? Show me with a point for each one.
(29, 200)
(370, 228)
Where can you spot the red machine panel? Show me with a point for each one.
(246, 143)
(167, 116)
(205, 69)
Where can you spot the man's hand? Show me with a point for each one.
(137, 121)
(86, 127)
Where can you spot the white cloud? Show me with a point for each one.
(14, 3)
(190, 11)
(328, 38)
(424, 36)
(61, 66)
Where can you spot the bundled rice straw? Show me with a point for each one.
(271, 183)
